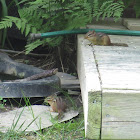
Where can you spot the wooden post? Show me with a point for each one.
(91, 89)
(119, 68)
(109, 78)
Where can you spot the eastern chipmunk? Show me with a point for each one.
(101, 39)
(57, 104)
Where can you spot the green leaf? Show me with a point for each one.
(4, 13)
(23, 24)
(18, 24)
(137, 8)
(33, 45)
(33, 30)
(27, 29)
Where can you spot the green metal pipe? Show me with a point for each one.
(83, 31)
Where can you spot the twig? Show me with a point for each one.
(44, 74)
(60, 59)
(22, 52)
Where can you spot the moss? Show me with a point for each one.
(94, 115)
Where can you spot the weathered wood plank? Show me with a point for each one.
(119, 67)
(70, 84)
(109, 79)
(66, 76)
(117, 91)
(90, 88)
(132, 23)
(94, 115)
(120, 116)
(68, 81)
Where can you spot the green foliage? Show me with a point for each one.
(19, 22)
(4, 12)
(38, 16)
(137, 8)
(33, 45)
(108, 8)
(72, 130)
(135, 4)
(2, 102)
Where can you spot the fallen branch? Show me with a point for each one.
(21, 52)
(44, 74)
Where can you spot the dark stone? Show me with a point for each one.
(35, 88)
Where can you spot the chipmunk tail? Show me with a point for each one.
(119, 44)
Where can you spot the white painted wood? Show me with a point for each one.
(119, 67)
(120, 116)
(68, 81)
(132, 41)
(90, 86)
(112, 73)
(132, 23)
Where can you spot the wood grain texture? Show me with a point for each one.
(90, 89)
(109, 79)
(132, 23)
(68, 81)
(120, 116)
(119, 68)
(94, 115)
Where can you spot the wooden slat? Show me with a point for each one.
(109, 78)
(70, 84)
(90, 89)
(119, 67)
(120, 116)
(132, 23)
(68, 81)
(65, 76)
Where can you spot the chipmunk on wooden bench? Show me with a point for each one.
(101, 39)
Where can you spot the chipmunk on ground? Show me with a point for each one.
(101, 39)
(57, 104)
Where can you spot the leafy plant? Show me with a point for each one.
(40, 16)
(109, 8)
(4, 12)
(2, 102)
(135, 4)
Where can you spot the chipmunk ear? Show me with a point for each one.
(90, 33)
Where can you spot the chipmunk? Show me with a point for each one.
(101, 39)
(57, 104)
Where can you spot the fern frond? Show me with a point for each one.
(33, 45)
(137, 8)
(21, 24)
(52, 15)
(109, 8)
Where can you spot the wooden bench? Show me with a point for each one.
(110, 85)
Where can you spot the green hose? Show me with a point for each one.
(83, 31)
